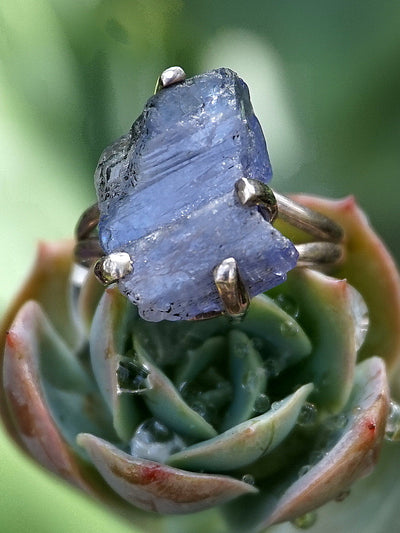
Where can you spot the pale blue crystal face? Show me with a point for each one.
(166, 196)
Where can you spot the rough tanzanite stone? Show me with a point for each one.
(166, 196)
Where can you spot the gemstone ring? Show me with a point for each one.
(183, 222)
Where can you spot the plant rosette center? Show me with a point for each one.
(262, 420)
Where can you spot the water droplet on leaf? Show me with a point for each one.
(303, 470)
(392, 432)
(308, 415)
(199, 407)
(289, 328)
(249, 479)
(155, 441)
(305, 521)
(360, 316)
(262, 404)
(275, 405)
(131, 377)
(289, 305)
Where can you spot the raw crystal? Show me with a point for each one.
(166, 196)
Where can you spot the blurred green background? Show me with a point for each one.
(325, 84)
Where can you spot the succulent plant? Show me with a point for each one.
(252, 423)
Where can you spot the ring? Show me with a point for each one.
(184, 219)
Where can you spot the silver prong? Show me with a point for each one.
(231, 289)
(254, 192)
(87, 251)
(87, 223)
(319, 254)
(308, 220)
(113, 267)
(170, 76)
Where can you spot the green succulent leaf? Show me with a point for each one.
(40, 400)
(109, 333)
(199, 359)
(190, 400)
(70, 394)
(350, 453)
(156, 487)
(246, 442)
(355, 451)
(167, 405)
(249, 379)
(50, 276)
(281, 337)
(375, 499)
(369, 267)
(326, 313)
(265, 320)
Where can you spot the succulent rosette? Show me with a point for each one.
(240, 424)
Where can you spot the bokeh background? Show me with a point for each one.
(325, 83)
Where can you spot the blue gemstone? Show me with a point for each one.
(166, 196)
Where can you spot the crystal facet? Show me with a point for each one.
(167, 197)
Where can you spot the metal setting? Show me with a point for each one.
(231, 289)
(113, 267)
(170, 76)
(87, 249)
(310, 221)
(319, 254)
(250, 193)
(254, 192)
(87, 224)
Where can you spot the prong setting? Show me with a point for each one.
(113, 267)
(230, 288)
(239, 222)
(253, 192)
(170, 76)
(307, 220)
(87, 224)
(87, 251)
(319, 254)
